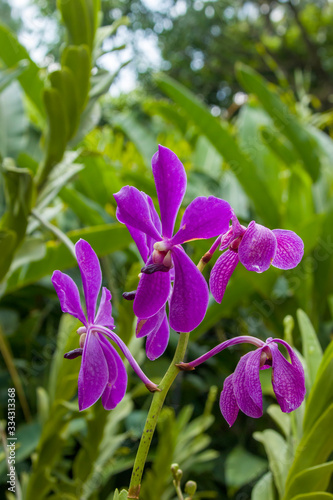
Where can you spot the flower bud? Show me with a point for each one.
(190, 488)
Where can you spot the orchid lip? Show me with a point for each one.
(153, 268)
(129, 295)
(74, 353)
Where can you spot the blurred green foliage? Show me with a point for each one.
(67, 146)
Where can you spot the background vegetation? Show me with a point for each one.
(243, 97)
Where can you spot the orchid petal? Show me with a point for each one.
(134, 211)
(170, 181)
(257, 248)
(237, 228)
(68, 295)
(145, 327)
(93, 375)
(228, 404)
(203, 218)
(243, 390)
(104, 313)
(157, 340)
(290, 249)
(287, 379)
(117, 377)
(189, 299)
(138, 236)
(221, 273)
(91, 275)
(152, 293)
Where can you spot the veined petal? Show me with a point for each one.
(152, 293)
(68, 295)
(146, 326)
(104, 313)
(252, 378)
(135, 211)
(221, 273)
(170, 181)
(243, 390)
(93, 375)
(139, 237)
(117, 377)
(91, 275)
(157, 340)
(257, 248)
(203, 218)
(287, 379)
(289, 251)
(228, 404)
(189, 299)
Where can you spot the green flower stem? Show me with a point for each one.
(156, 407)
(153, 414)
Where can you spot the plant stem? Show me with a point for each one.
(153, 414)
(158, 400)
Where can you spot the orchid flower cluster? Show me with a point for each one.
(172, 292)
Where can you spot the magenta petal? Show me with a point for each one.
(170, 180)
(104, 313)
(189, 299)
(287, 379)
(157, 340)
(138, 236)
(257, 248)
(117, 377)
(93, 375)
(134, 211)
(203, 218)
(290, 249)
(91, 275)
(146, 326)
(244, 390)
(228, 404)
(221, 273)
(68, 295)
(152, 293)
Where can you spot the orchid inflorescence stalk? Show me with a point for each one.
(169, 277)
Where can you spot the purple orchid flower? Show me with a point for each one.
(102, 371)
(256, 247)
(165, 258)
(242, 390)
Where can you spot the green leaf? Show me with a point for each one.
(315, 446)
(57, 132)
(64, 81)
(120, 496)
(314, 496)
(63, 375)
(7, 248)
(7, 76)
(279, 145)
(222, 139)
(264, 489)
(312, 350)
(104, 239)
(281, 419)
(88, 212)
(312, 479)
(77, 59)
(75, 16)
(278, 455)
(13, 121)
(284, 120)
(242, 467)
(12, 52)
(321, 395)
